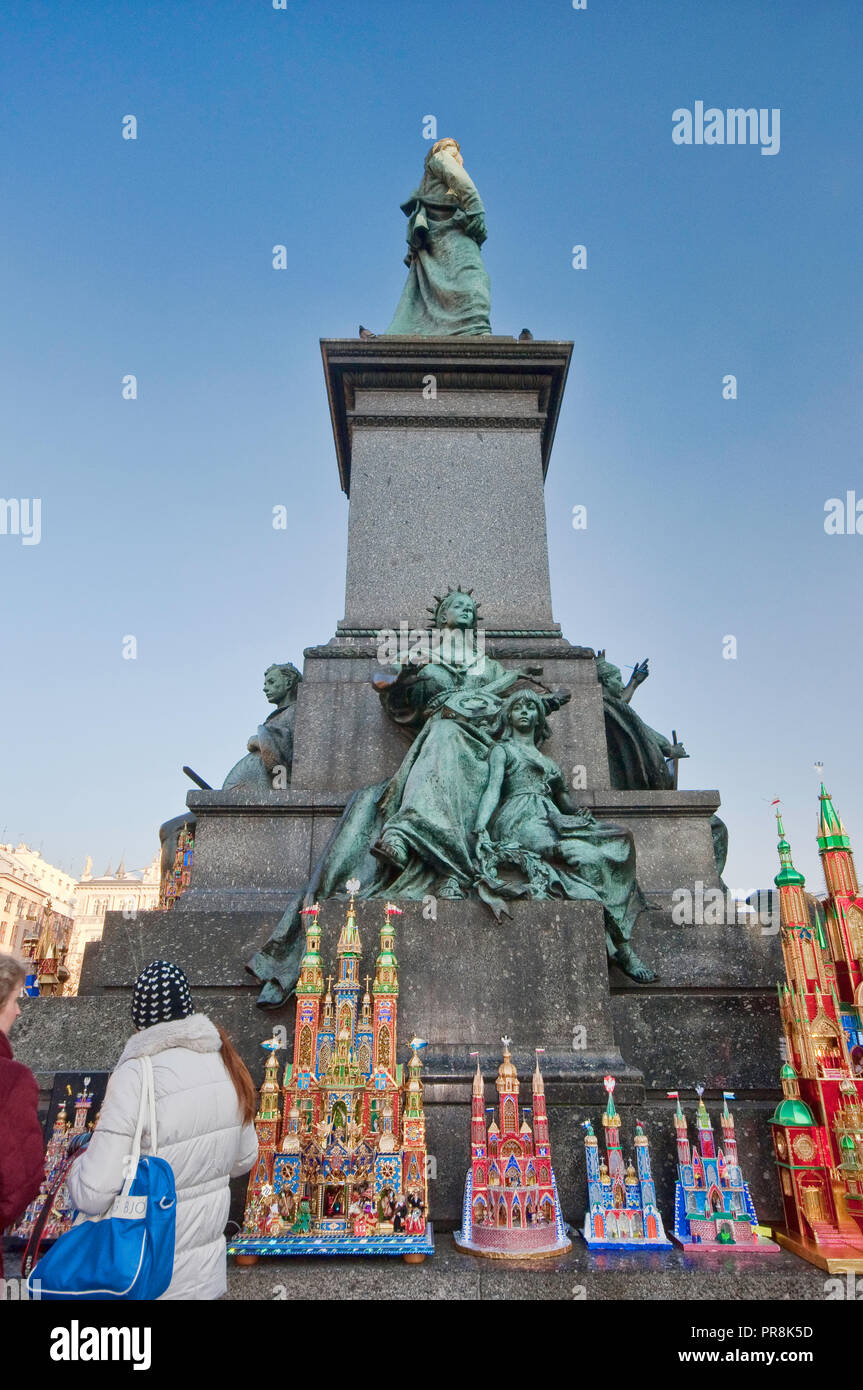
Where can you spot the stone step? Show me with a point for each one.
(452, 1275)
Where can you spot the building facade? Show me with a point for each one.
(30, 888)
(129, 891)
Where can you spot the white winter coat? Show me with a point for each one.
(199, 1131)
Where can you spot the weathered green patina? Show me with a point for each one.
(638, 756)
(542, 844)
(267, 765)
(636, 753)
(447, 293)
(475, 810)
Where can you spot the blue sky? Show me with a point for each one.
(304, 127)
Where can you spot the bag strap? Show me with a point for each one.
(147, 1107)
(34, 1244)
(154, 1144)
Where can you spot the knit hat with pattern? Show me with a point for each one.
(161, 993)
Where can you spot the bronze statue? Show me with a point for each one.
(474, 810)
(267, 764)
(447, 291)
(639, 758)
(539, 844)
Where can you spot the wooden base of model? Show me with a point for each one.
(836, 1259)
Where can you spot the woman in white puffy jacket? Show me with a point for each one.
(205, 1104)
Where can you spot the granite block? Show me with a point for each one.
(724, 1039)
(475, 448)
(464, 980)
(727, 956)
(343, 738)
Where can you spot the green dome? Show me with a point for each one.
(793, 1111)
(788, 877)
(788, 1073)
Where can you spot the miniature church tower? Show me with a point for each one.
(511, 1207)
(62, 1213)
(345, 1163)
(266, 1127)
(622, 1212)
(712, 1206)
(818, 1125)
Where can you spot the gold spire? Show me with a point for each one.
(507, 1076)
(349, 940)
(538, 1083)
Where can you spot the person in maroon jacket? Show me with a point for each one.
(22, 1163)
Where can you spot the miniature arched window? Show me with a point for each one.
(809, 961)
(619, 1194)
(413, 1170)
(324, 1056)
(501, 1213)
(812, 1199)
(480, 1177)
(365, 1057)
(531, 1175)
(516, 1214)
(509, 1115)
(478, 1211)
(854, 919)
(304, 1060)
(384, 1046)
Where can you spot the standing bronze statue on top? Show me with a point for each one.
(447, 294)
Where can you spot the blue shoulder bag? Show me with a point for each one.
(128, 1254)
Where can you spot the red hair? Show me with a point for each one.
(241, 1077)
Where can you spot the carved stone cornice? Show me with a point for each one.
(445, 422)
(507, 643)
(457, 364)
